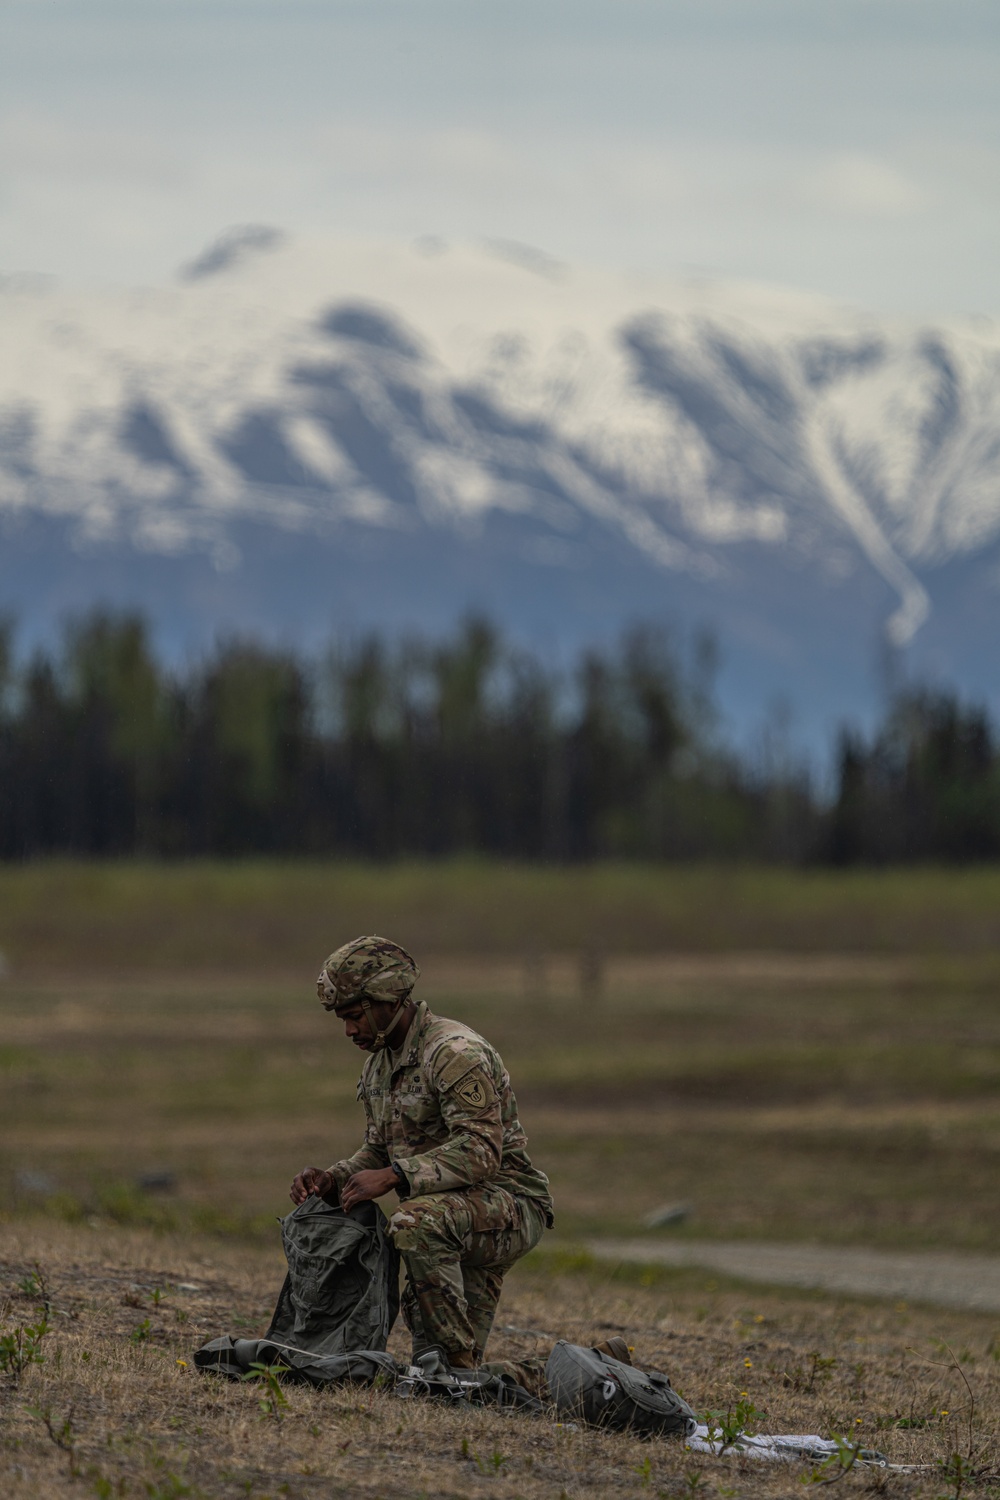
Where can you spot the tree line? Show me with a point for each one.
(467, 745)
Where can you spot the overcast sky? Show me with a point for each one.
(848, 146)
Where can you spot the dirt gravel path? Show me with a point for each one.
(947, 1278)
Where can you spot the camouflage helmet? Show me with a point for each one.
(369, 967)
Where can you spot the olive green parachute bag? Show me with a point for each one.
(340, 1297)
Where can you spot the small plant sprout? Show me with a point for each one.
(961, 1469)
(727, 1427)
(820, 1368)
(35, 1285)
(274, 1401)
(20, 1347)
(954, 1365)
(495, 1464)
(62, 1434)
(140, 1334)
(644, 1471)
(840, 1463)
(958, 1471)
(167, 1486)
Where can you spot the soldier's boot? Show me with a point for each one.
(464, 1361)
(617, 1348)
(432, 1361)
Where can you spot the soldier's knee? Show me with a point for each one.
(420, 1226)
(401, 1228)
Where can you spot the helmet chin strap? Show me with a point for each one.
(381, 1035)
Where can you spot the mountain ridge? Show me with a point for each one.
(765, 460)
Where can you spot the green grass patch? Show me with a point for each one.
(78, 916)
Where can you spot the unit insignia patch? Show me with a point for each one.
(473, 1093)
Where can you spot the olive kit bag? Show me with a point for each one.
(604, 1392)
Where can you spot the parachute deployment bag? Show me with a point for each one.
(605, 1393)
(340, 1298)
(342, 1288)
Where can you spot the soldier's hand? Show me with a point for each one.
(313, 1180)
(366, 1185)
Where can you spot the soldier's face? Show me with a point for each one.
(356, 1027)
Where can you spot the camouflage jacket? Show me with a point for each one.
(443, 1110)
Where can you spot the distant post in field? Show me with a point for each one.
(534, 974)
(591, 972)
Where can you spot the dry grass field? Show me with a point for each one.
(118, 1409)
(165, 1069)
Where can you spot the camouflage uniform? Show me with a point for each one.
(441, 1108)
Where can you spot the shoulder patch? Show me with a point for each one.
(465, 1075)
(473, 1091)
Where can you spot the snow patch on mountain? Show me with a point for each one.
(310, 384)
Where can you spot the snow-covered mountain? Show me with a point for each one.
(297, 436)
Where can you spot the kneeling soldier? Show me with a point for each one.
(442, 1131)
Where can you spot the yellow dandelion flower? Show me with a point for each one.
(183, 1363)
(748, 1364)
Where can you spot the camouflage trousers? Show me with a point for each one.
(456, 1248)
